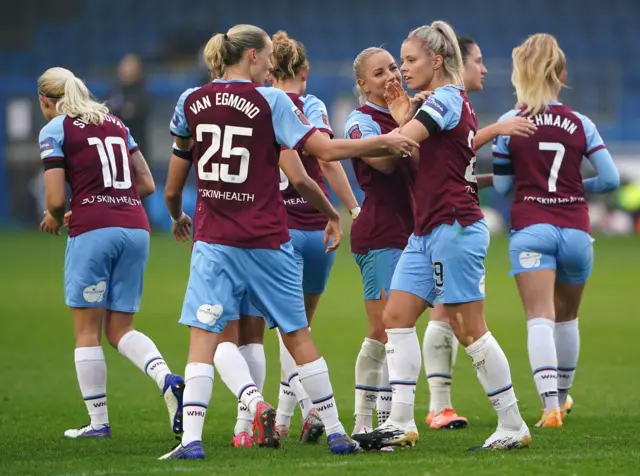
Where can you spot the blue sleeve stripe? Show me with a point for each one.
(595, 149)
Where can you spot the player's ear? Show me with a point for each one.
(437, 62)
(563, 77)
(253, 55)
(362, 84)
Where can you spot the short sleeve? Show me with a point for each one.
(360, 126)
(316, 111)
(179, 126)
(444, 106)
(592, 136)
(500, 147)
(290, 125)
(51, 139)
(132, 145)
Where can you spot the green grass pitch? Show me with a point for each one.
(39, 396)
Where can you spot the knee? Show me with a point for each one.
(115, 333)
(391, 320)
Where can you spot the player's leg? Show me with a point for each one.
(236, 374)
(315, 269)
(215, 289)
(125, 293)
(439, 352)
(371, 373)
(532, 252)
(411, 292)
(314, 266)
(458, 255)
(250, 346)
(575, 262)
(91, 370)
(275, 287)
(86, 281)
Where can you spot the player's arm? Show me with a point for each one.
(485, 180)
(179, 168)
(55, 193)
(294, 130)
(608, 178)
(511, 126)
(339, 183)
(361, 126)
(144, 180)
(292, 167)
(503, 173)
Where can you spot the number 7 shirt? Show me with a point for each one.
(546, 168)
(237, 130)
(97, 164)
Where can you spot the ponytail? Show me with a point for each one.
(72, 96)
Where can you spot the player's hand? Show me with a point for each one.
(397, 144)
(398, 101)
(416, 102)
(49, 224)
(181, 228)
(333, 231)
(66, 219)
(516, 126)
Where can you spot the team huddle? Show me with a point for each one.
(265, 233)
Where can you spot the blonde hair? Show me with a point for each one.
(289, 56)
(358, 70)
(226, 49)
(71, 96)
(441, 40)
(538, 64)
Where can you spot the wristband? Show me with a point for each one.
(354, 212)
(182, 217)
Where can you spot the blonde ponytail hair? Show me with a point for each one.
(226, 49)
(358, 70)
(538, 64)
(289, 56)
(71, 96)
(441, 40)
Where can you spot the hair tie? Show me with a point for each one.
(226, 37)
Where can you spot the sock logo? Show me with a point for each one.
(478, 364)
(370, 397)
(100, 404)
(288, 392)
(195, 413)
(565, 376)
(548, 376)
(385, 398)
(157, 364)
(325, 407)
(390, 351)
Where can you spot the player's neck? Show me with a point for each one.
(378, 102)
(236, 73)
(290, 86)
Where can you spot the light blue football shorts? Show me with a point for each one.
(221, 277)
(376, 268)
(567, 250)
(105, 268)
(445, 266)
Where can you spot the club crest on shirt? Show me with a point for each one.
(325, 118)
(355, 132)
(300, 116)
